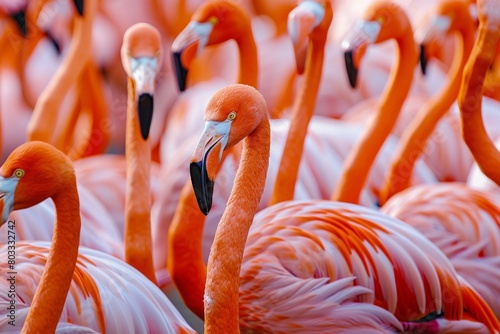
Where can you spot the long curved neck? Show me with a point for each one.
(42, 123)
(413, 141)
(470, 99)
(249, 65)
(138, 241)
(94, 135)
(303, 110)
(358, 164)
(185, 262)
(224, 262)
(50, 296)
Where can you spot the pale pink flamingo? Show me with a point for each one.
(312, 266)
(60, 281)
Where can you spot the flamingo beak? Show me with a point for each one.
(144, 74)
(302, 20)
(206, 157)
(7, 189)
(20, 19)
(362, 34)
(79, 6)
(187, 46)
(423, 59)
(430, 35)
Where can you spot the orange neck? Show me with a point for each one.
(303, 110)
(413, 141)
(50, 296)
(91, 106)
(224, 262)
(358, 164)
(176, 21)
(249, 66)
(138, 242)
(185, 259)
(470, 99)
(47, 109)
(185, 262)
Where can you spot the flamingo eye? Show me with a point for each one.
(214, 20)
(381, 19)
(19, 173)
(231, 116)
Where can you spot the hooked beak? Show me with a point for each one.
(205, 159)
(355, 43)
(20, 18)
(144, 74)
(7, 189)
(187, 46)
(302, 20)
(79, 6)
(430, 34)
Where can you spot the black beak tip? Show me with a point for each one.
(20, 18)
(79, 6)
(352, 71)
(202, 185)
(180, 71)
(145, 109)
(423, 59)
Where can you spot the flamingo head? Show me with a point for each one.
(214, 22)
(447, 17)
(309, 20)
(33, 172)
(232, 113)
(382, 21)
(141, 59)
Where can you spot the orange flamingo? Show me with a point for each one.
(449, 17)
(308, 23)
(461, 221)
(67, 283)
(327, 139)
(213, 23)
(124, 179)
(77, 63)
(313, 261)
(470, 98)
(376, 27)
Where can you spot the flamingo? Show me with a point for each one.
(122, 221)
(376, 27)
(312, 266)
(13, 35)
(326, 139)
(214, 22)
(67, 283)
(449, 17)
(461, 221)
(470, 100)
(77, 63)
